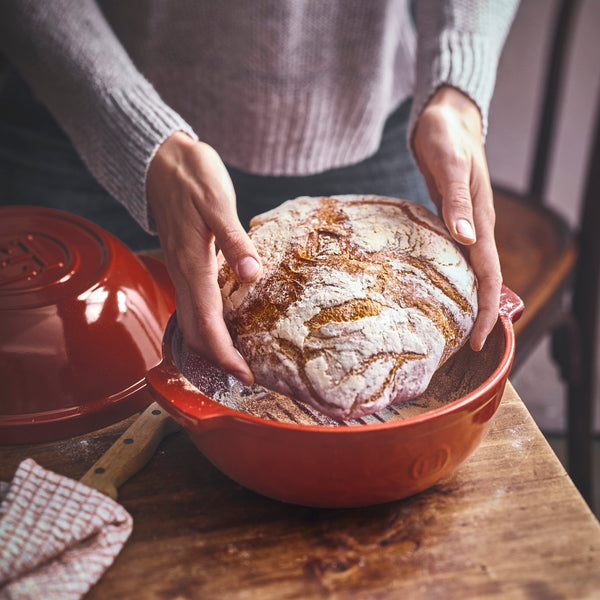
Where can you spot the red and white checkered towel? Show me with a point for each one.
(57, 536)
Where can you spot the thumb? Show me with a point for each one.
(237, 249)
(457, 210)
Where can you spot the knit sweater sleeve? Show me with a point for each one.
(459, 44)
(75, 65)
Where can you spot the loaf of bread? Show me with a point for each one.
(361, 300)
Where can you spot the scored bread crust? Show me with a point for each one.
(361, 300)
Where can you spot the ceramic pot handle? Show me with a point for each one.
(169, 387)
(131, 451)
(511, 306)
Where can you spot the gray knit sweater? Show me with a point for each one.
(280, 87)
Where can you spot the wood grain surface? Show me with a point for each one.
(508, 524)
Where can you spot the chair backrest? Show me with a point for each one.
(587, 275)
(554, 78)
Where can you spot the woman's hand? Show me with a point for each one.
(449, 150)
(193, 204)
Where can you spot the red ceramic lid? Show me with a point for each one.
(81, 322)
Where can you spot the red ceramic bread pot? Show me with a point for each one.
(81, 322)
(346, 466)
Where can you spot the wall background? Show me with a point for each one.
(513, 124)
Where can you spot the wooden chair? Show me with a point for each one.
(554, 268)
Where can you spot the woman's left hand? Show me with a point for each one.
(449, 149)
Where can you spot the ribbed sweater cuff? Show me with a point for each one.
(464, 60)
(135, 122)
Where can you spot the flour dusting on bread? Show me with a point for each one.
(361, 300)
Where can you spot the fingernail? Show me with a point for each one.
(478, 346)
(244, 377)
(465, 229)
(247, 268)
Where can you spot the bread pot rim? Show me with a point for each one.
(197, 411)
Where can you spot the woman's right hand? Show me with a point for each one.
(193, 204)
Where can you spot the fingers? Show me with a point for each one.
(489, 301)
(449, 150)
(483, 256)
(193, 204)
(236, 246)
(200, 315)
(458, 210)
(451, 175)
(468, 211)
(217, 206)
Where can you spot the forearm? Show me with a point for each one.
(459, 44)
(76, 66)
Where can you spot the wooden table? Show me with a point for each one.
(508, 524)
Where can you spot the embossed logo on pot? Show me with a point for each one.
(431, 463)
(29, 261)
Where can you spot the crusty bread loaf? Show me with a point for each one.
(362, 299)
